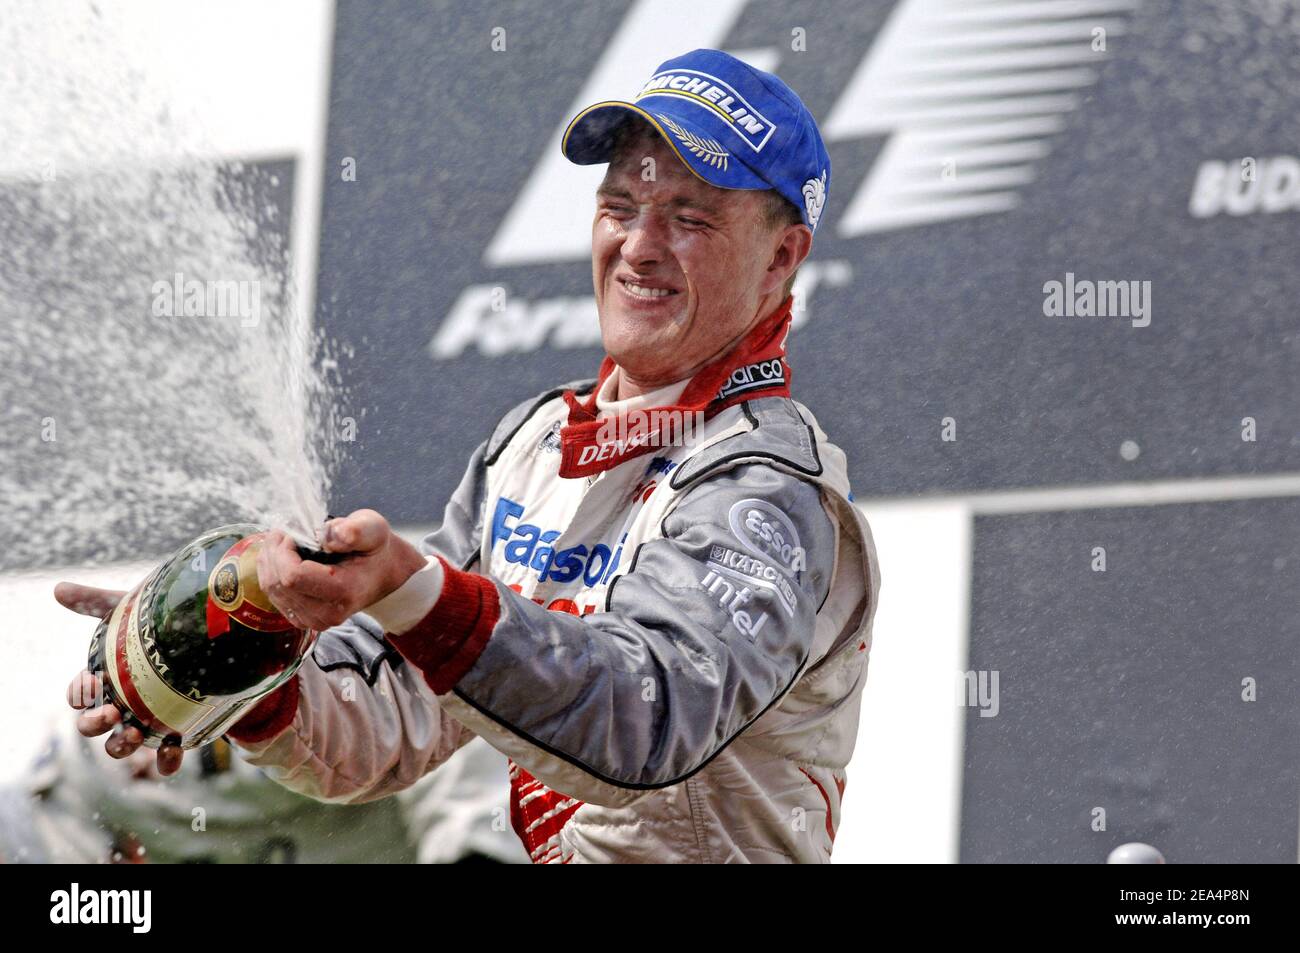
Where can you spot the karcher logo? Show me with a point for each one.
(711, 93)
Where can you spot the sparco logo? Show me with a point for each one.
(102, 906)
(765, 531)
(754, 376)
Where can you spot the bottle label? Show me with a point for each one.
(137, 670)
(233, 593)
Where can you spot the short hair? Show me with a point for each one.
(779, 212)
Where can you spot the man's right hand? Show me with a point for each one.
(85, 692)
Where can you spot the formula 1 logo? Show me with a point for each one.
(968, 99)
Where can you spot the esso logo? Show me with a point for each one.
(767, 532)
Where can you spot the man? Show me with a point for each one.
(693, 692)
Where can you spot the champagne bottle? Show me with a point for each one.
(189, 650)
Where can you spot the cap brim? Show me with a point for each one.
(590, 137)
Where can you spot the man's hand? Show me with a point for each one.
(318, 596)
(85, 693)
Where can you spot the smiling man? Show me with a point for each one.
(667, 635)
(681, 272)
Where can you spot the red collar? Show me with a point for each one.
(756, 367)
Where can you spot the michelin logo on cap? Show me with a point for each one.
(711, 93)
(707, 102)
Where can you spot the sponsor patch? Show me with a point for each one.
(551, 442)
(768, 533)
(660, 465)
(756, 572)
(719, 98)
(749, 377)
(530, 545)
(732, 598)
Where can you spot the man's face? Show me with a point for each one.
(680, 266)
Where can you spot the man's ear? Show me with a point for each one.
(795, 244)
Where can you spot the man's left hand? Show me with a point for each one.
(314, 595)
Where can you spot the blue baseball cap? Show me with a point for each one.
(734, 126)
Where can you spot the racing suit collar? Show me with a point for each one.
(756, 367)
(607, 406)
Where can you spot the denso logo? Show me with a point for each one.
(765, 531)
(529, 545)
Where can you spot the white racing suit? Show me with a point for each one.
(691, 696)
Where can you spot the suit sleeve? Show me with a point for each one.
(357, 722)
(351, 737)
(710, 626)
(457, 537)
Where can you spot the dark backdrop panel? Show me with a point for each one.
(1123, 689)
(941, 319)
